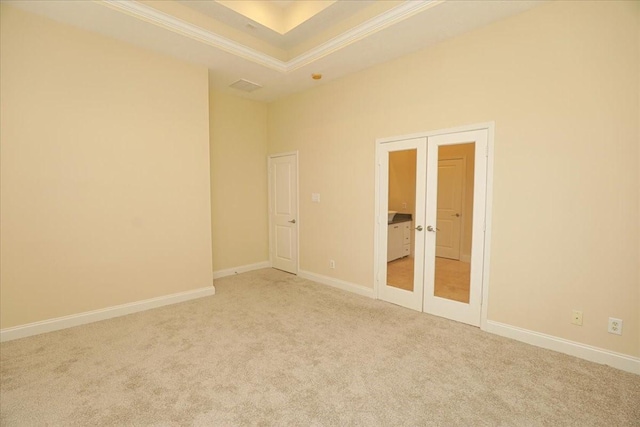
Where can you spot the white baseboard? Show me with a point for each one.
(337, 283)
(65, 322)
(242, 269)
(594, 354)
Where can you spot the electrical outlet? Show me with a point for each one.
(404, 205)
(576, 317)
(615, 326)
(332, 264)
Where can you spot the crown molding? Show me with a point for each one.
(171, 23)
(367, 28)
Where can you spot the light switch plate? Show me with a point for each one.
(315, 197)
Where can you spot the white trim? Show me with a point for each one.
(337, 283)
(70, 321)
(242, 269)
(372, 26)
(287, 153)
(169, 22)
(376, 226)
(457, 129)
(572, 348)
(488, 220)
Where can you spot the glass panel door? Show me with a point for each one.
(454, 221)
(402, 188)
(456, 182)
(401, 215)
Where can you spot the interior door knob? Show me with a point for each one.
(457, 215)
(293, 221)
(419, 228)
(430, 228)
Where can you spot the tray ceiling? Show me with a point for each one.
(278, 44)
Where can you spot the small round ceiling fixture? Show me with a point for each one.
(316, 76)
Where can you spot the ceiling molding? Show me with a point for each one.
(161, 19)
(380, 22)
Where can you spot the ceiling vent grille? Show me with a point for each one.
(245, 85)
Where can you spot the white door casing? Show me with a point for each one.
(283, 212)
(449, 219)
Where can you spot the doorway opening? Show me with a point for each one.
(401, 211)
(454, 221)
(433, 192)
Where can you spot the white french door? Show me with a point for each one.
(412, 154)
(461, 301)
(439, 285)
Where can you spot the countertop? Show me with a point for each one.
(400, 217)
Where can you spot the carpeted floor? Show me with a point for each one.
(273, 349)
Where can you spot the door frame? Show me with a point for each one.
(270, 157)
(379, 221)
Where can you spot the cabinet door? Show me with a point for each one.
(406, 232)
(406, 250)
(395, 242)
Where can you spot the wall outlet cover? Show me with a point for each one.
(615, 326)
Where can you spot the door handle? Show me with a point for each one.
(419, 228)
(433, 230)
(293, 221)
(457, 215)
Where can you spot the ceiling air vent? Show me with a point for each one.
(245, 85)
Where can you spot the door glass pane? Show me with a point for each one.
(402, 209)
(454, 222)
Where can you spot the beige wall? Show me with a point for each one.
(104, 172)
(105, 185)
(239, 207)
(402, 181)
(467, 153)
(561, 82)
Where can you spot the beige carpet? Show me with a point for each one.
(274, 349)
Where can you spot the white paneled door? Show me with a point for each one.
(449, 208)
(283, 212)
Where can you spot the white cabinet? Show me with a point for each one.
(399, 240)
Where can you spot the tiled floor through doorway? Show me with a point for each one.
(451, 281)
